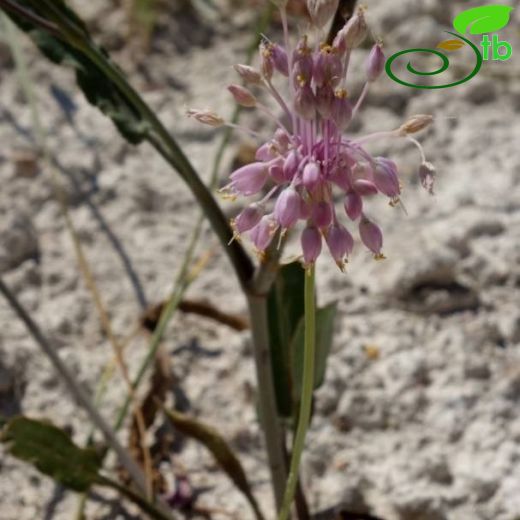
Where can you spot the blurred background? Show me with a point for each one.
(418, 417)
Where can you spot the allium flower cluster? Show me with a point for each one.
(308, 161)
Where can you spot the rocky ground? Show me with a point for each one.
(418, 417)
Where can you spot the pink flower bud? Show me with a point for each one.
(248, 74)
(304, 102)
(262, 234)
(206, 117)
(282, 140)
(427, 174)
(249, 179)
(321, 11)
(364, 187)
(353, 205)
(242, 96)
(322, 214)
(266, 60)
(341, 109)
(328, 68)
(375, 63)
(302, 64)
(311, 245)
(279, 57)
(287, 208)
(265, 152)
(311, 175)
(247, 219)
(371, 236)
(291, 163)
(276, 173)
(385, 177)
(340, 243)
(353, 32)
(324, 101)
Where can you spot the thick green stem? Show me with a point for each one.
(306, 398)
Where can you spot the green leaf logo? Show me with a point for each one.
(485, 19)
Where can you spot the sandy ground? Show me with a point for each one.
(418, 418)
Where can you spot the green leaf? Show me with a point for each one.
(285, 308)
(325, 317)
(219, 448)
(98, 89)
(52, 452)
(484, 19)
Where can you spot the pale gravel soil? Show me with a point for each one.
(427, 431)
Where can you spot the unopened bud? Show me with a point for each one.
(341, 109)
(353, 32)
(248, 74)
(305, 103)
(340, 243)
(206, 117)
(242, 96)
(427, 174)
(371, 236)
(321, 11)
(416, 124)
(311, 245)
(375, 63)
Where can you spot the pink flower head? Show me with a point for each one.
(310, 162)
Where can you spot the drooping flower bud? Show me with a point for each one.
(276, 173)
(416, 124)
(321, 11)
(282, 140)
(262, 234)
(322, 214)
(311, 245)
(311, 175)
(266, 60)
(364, 187)
(353, 205)
(302, 64)
(249, 179)
(247, 219)
(328, 67)
(340, 243)
(385, 177)
(305, 102)
(341, 109)
(427, 173)
(287, 208)
(206, 117)
(291, 163)
(242, 96)
(279, 57)
(353, 32)
(371, 236)
(265, 152)
(375, 63)
(248, 74)
(324, 101)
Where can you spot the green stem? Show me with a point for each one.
(306, 398)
